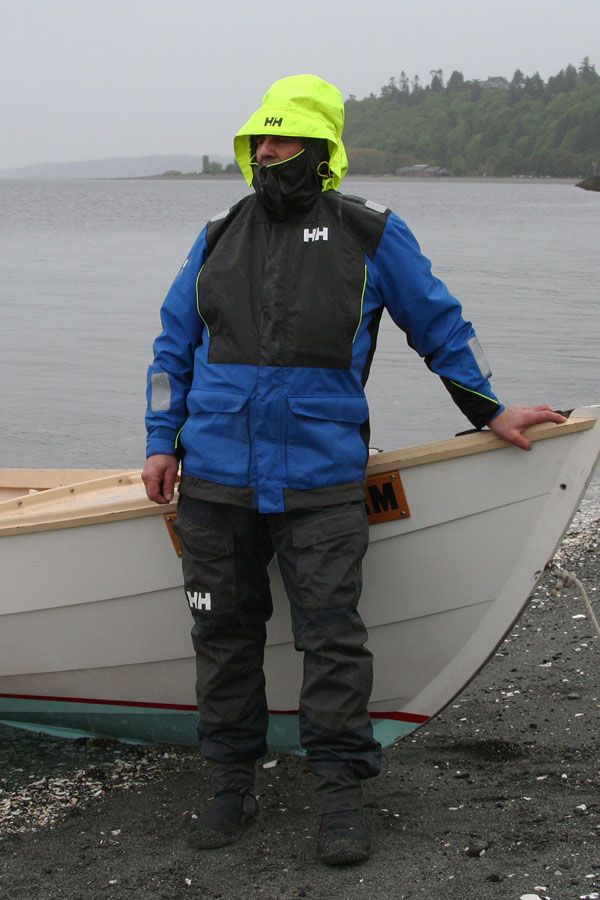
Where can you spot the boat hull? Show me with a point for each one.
(94, 623)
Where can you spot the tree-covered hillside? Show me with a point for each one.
(520, 127)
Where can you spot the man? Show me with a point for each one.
(257, 385)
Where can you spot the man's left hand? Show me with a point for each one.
(511, 422)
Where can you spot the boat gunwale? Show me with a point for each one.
(73, 505)
(37, 479)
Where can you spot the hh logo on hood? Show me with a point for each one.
(316, 234)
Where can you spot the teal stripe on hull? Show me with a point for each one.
(140, 725)
(146, 725)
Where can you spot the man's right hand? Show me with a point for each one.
(159, 475)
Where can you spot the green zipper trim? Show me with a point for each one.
(177, 437)
(477, 394)
(198, 300)
(289, 159)
(362, 297)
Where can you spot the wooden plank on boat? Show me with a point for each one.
(122, 495)
(43, 479)
(106, 499)
(17, 482)
(466, 445)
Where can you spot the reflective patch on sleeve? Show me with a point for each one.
(477, 351)
(370, 204)
(184, 264)
(160, 396)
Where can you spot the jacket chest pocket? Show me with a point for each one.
(325, 285)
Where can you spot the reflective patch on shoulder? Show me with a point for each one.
(370, 204)
(183, 265)
(477, 351)
(160, 394)
(220, 216)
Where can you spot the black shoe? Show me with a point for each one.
(343, 838)
(229, 817)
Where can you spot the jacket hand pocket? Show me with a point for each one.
(216, 436)
(324, 440)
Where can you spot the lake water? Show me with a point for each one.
(84, 266)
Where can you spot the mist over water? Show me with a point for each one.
(84, 266)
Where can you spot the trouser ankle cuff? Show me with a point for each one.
(338, 787)
(338, 800)
(237, 778)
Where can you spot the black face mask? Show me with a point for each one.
(291, 186)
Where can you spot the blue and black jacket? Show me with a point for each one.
(268, 335)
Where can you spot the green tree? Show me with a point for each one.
(587, 72)
(516, 87)
(404, 84)
(210, 168)
(437, 81)
(456, 82)
(534, 86)
(570, 78)
(475, 91)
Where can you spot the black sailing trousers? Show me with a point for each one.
(226, 550)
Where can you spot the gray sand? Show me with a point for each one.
(497, 798)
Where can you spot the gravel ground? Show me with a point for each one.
(497, 798)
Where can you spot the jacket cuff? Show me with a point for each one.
(161, 440)
(479, 408)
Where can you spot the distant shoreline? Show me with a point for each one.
(226, 176)
(461, 179)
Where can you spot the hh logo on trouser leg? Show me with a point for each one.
(198, 600)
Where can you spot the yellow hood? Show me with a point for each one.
(298, 106)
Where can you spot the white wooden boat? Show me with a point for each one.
(94, 623)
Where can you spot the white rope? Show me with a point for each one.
(569, 579)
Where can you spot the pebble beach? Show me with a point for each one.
(498, 797)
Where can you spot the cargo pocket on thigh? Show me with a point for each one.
(208, 568)
(329, 549)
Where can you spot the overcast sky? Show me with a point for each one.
(87, 79)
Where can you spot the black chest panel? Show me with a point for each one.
(287, 293)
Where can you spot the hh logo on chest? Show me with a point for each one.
(316, 234)
(198, 600)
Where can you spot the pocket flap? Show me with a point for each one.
(329, 527)
(204, 542)
(215, 401)
(338, 409)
